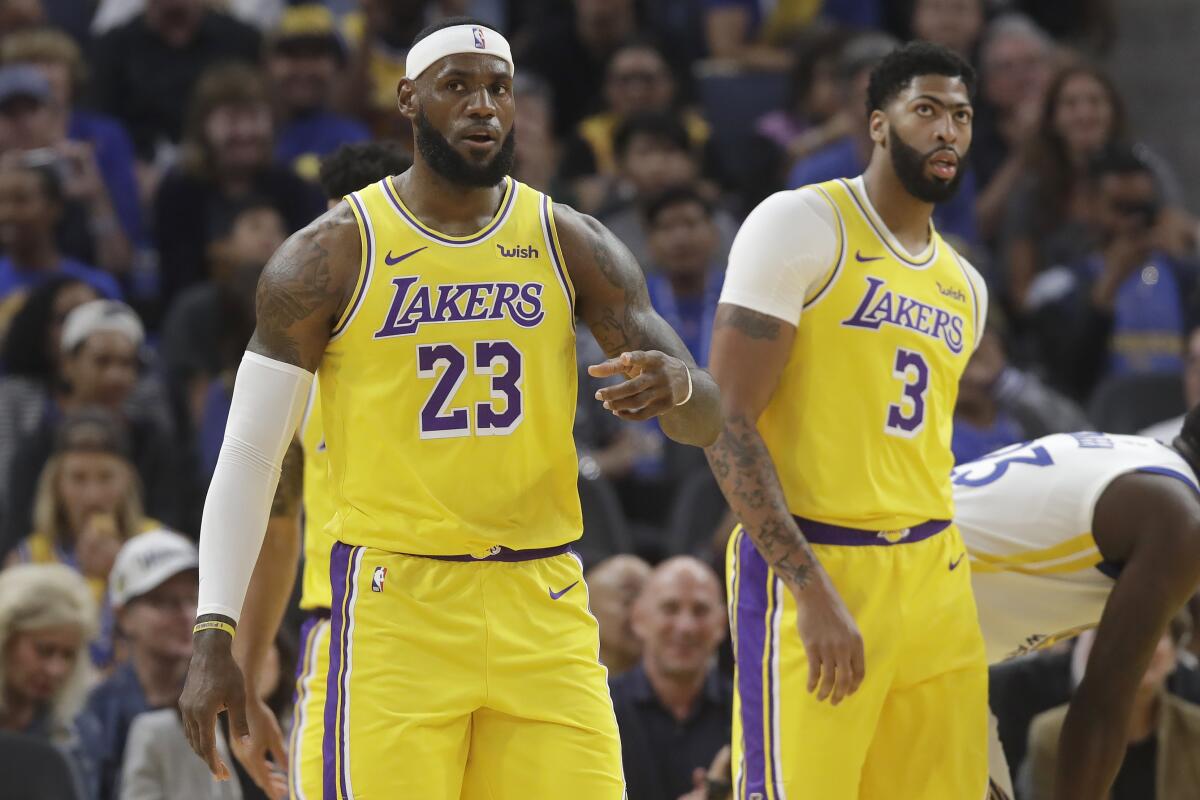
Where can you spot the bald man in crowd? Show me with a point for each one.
(613, 585)
(673, 708)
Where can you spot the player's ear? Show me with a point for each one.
(877, 124)
(406, 98)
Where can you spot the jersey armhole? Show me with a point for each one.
(550, 233)
(366, 237)
(839, 259)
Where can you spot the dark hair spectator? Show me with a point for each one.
(808, 120)
(305, 56)
(32, 203)
(47, 616)
(59, 58)
(353, 166)
(175, 41)
(571, 51)
(228, 154)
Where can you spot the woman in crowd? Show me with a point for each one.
(46, 616)
(1050, 217)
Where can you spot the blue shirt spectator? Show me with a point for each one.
(305, 140)
(14, 277)
(114, 157)
(842, 160)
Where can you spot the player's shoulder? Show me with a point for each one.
(798, 204)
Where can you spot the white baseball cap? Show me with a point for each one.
(101, 315)
(147, 561)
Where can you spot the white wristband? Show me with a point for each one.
(689, 394)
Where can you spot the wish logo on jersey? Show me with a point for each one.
(413, 306)
(882, 306)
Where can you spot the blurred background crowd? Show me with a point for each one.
(155, 153)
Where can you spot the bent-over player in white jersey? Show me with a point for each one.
(1075, 531)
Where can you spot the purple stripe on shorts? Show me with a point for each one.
(824, 533)
(339, 578)
(752, 638)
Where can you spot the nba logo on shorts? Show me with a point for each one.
(377, 579)
(479, 45)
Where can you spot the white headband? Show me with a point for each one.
(454, 40)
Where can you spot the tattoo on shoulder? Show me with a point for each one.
(751, 323)
(296, 284)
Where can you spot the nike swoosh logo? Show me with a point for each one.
(555, 595)
(860, 258)
(954, 564)
(393, 261)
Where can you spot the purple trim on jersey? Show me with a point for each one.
(752, 645)
(504, 554)
(883, 237)
(1172, 473)
(548, 227)
(308, 633)
(340, 560)
(367, 264)
(824, 533)
(510, 194)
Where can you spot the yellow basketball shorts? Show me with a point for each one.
(308, 712)
(472, 679)
(916, 729)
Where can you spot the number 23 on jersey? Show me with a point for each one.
(447, 365)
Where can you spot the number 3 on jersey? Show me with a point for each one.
(448, 364)
(907, 417)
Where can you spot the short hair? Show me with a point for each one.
(671, 197)
(1118, 158)
(225, 218)
(451, 22)
(353, 166)
(898, 68)
(661, 126)
(25, 350)
(45, 45)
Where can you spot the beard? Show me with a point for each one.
(909, 164)
(454, 167)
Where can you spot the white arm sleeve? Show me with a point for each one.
(786, 246)
(268, 401)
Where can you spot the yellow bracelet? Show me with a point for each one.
(214, 625)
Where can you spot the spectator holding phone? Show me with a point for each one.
(1127, 306)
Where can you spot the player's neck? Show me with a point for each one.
(445, 206)
(904, 215)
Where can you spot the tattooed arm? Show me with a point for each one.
(749, 351)
(611, 298)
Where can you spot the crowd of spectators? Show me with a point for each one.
(155, 153)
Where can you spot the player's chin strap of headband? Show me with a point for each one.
(453, 41)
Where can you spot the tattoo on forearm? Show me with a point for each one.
(618, 332)
(742, 465)
(290, 491)
(751, 323)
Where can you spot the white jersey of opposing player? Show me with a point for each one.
(1025, 513)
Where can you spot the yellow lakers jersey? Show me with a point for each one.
(859, 426)
(318, 507)
(448, 386)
